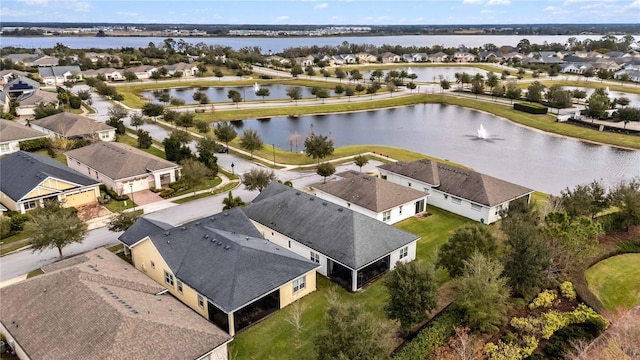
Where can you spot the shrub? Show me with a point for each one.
(177, 186)
(17, 222)
(611, 222)
(115, 195)
(530, 108)
(629, 247)
(544, 299)
(5, 228)
(75, 102)
(437, 333)
(34, 145)
(166, 193)
(567, 291)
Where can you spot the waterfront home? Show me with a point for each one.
(464, 192)
(57, 75)
(71, 126)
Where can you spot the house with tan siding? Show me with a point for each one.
(72, 126)
(27, 180)
(221, 267)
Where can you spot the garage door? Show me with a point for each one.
(138, 185)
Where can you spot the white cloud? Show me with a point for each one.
(486, 11)
(282, 18)
(475, 2)
(550, 8)
(13, 13)
(633, 5)
(321, 6)
(498, 2)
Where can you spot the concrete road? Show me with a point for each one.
(25, 261)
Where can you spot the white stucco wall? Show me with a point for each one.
(395, 256)
(9, 147)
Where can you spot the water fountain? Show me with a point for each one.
(256, 87)
(409, 71)
(482, 133)
(607, 91)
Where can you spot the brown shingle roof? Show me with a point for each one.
(71, 125)
(38, 97)
(371, 193)
(12, 131)
(466, 184)
(118, 161)
(103, 308)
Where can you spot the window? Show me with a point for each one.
(299, 284)
(180, 286)
(201, 301)
(30, 205)
(404, 252)
(400, 209)
(386, 216)
(168, 278)
(153, 265)
(315, 257)
(5, 147)
(476, 207)
(456, 200)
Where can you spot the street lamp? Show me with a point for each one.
(132, 202)
(274, 155)
(232, 165)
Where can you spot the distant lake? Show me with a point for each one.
(432, 74)
(634, 98)
(279, 44)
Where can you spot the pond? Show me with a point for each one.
(634, 98)
(432, 74)
(527, 157)
(219, 93)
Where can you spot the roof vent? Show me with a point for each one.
(297, 192)
(247, 238)
(168, 242)
(324, 203)
(311, 199)
(198, 223)
(226, 214)
(340, 209)
(167, 233)
(183, 228)
(206, 236)
(219, 243)
(227, 247)
(212, 218)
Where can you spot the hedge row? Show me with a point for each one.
(113, 194)
(531, 108)
(437, 333)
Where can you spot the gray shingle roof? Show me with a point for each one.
(21, 172)
(466, 184)
(142, 228)
(37, 97)
(48, 71)
(344, 235)
(12, 131)
(103, 308)
(118, 161)
(71, 125)
(371, 193)
(230, 269)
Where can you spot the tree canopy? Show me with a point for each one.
(53, 226)
(318, 146)
(251, 141)
(258, 179)
(465, 241)
(225, 132)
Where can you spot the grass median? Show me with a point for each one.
(615, 281)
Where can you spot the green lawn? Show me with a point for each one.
(616, 281)
(117, 206)
(272, 338)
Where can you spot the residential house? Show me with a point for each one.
(187, 70)
(143, 71)
(438, 57)
(121, 167)
(463, 57)
(19, 58)
(96, 306)
(512, 56)
(12, 133)
(57, 75)
(43, 60)
(344, 59)
(373, 197)
(632, 73)
(351, 248)
(490, 56)
(408, 58)
(364, 58)
(27, 180)
(72, 126)
(8, 75)
(575, 68)
(464, 192)
(276, 60)
(419, 57)
(95, 57)
(304, 61)
(19, 86)
(30, 101)
(390, 57)
(221, 267)
(110, 74)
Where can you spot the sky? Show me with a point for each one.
(338, 12)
